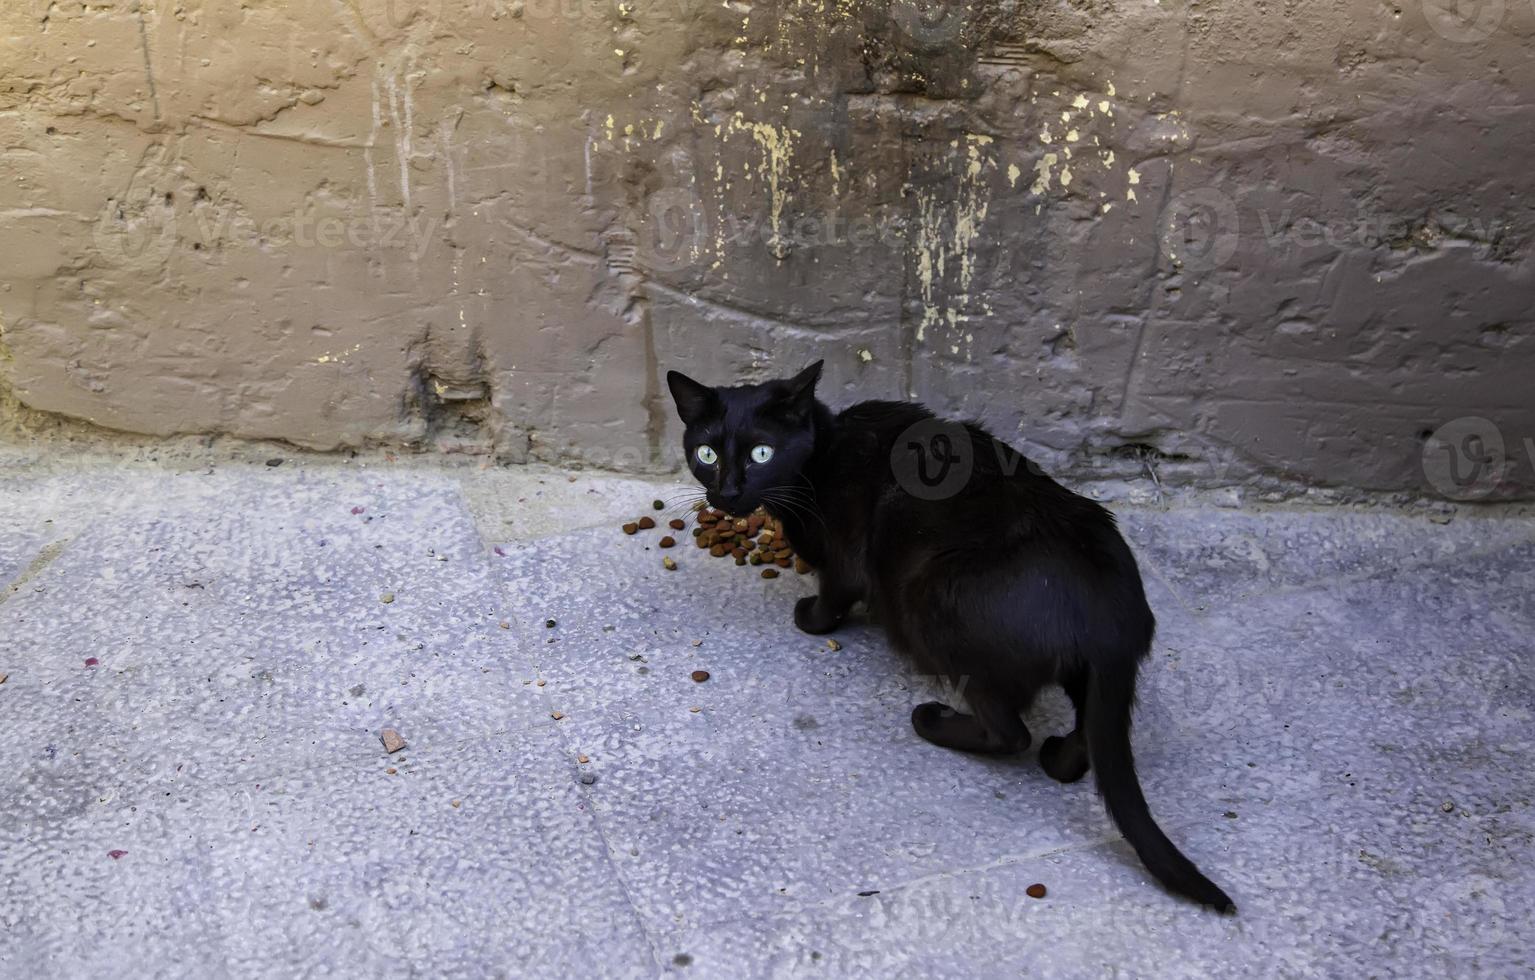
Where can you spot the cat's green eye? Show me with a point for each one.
(706, 456)
(761, 454)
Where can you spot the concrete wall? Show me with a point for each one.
(1227, 241)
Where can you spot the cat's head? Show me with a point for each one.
(743, 442)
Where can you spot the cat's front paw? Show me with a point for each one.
(811, 616)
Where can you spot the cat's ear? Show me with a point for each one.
(695, 402)
(801, 387)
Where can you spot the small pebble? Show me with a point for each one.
(457, 804)
(1035, 890)
(540, 682)
(588, 778)
(274, 462)
(582, 759)
(1447, 806)
(505, 625)
(4, 677)
(556, 715)
(833, 645)
(116, 855)
(392, 740)
(699, 676)
(386, 598)
(695, 709)
(91, 661)
(550, 624)
(390, 772)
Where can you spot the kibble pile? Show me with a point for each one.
(754, 540)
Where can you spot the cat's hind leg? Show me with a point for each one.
(994, 729)
(1064, 757)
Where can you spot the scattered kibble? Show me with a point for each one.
(392, 740)
(1035, 890)
(757, 539)
(699, 676)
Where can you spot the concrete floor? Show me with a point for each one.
(1336, 726)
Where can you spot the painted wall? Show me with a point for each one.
(1225, 242)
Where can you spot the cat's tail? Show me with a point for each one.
(1109, 700)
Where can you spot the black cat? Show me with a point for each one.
(981, 568)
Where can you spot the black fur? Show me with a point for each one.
(1007, 582)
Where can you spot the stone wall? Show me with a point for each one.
(1221, 242)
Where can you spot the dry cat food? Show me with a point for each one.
(756, 539)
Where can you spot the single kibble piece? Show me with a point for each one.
(646, 523)
(740, 561)
(667, 541)
(392, 740)
(719, 551)
(631, 528)
(550, 624)
(783, 563)
(1035, 890)
(770, 573)
(801, 565)
(699, 676)
(669, 563)
(676, 523)
(658, 504)
(833, 646)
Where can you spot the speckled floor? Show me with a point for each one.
(1337, 726)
